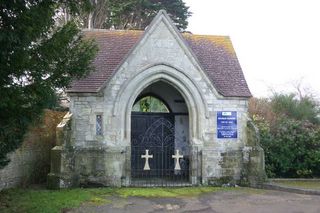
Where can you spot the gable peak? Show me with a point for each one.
(162, 16)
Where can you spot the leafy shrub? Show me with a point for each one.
(303, 109)
(290, 135)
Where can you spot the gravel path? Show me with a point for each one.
(260, 201)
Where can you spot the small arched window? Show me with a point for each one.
(150, 104)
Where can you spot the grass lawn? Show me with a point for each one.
(45, 201)
(299, 184)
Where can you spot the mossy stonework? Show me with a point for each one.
(161, 62)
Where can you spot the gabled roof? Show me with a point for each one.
(113, 48)
(214, 53)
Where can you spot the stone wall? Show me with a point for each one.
(222, 159)
(159, 57)
(31, 162)
(253, 168)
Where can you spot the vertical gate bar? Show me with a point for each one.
(133, 167)
(168, 169)
(138, 172)
(164, 168)
(136, 167)
(132, 164)
(162, 148)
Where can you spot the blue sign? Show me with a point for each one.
(227, 124)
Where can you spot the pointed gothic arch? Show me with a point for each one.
(187, 87)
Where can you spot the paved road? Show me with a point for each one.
(257, 201)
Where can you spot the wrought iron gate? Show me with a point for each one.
(158, 158)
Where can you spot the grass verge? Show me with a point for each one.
(166, 192)
(53, 201)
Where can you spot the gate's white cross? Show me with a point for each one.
(146, 156)
(177, 156)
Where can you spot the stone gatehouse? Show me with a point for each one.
(161, 108)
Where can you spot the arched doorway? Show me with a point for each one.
(160, 153)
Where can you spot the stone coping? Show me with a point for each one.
(274, 186)
(121, 150)
(294, 179)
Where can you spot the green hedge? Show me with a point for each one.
(292, 148)
(289, 128)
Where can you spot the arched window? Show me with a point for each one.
(150, 104)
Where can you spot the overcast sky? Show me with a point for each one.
(277, 41)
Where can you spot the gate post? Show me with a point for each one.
(194, 165)
(126, 179)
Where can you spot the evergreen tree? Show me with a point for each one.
(134, 14)
(36, 58)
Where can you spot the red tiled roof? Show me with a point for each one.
(214, 53)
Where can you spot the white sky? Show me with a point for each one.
(277, 41)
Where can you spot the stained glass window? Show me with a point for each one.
(99, 124)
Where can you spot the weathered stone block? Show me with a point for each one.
(53, 181)
(56, 160)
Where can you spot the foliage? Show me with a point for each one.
(290, 135)
(39, 137)
(134, 14)
(36, 58)
(292, 148)
(304, 109)
(98, 16)
(150, 104)
(32, 200)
